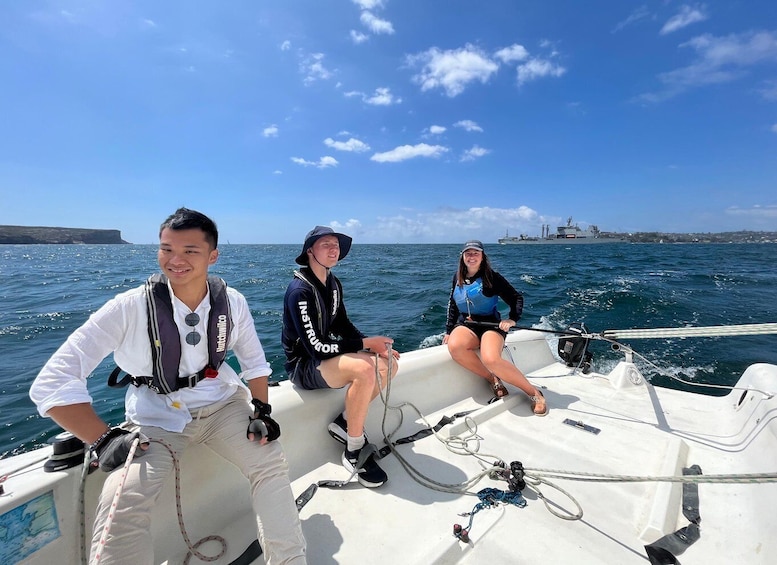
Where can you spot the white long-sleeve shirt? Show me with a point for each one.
(121, 327)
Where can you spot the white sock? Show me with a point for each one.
(356, 443)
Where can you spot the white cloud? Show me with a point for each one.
(322, 163)
(774, 128)
(405, 152)
(270, 131)
(452, 70)
(369, 4)
(718, 60)
(638, 14)
(382, 97)
(375, 24)
(350, 226)
(511, 54)
(313, 68)
(358, 37)
(286, 45)
(756, 211)
(684, 18)
(352, 145)
(455, 225)
(277, 172)
(475, 152)
(538, 68)
(437, 130)
(468, 125)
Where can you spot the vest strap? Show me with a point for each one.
(182, 382)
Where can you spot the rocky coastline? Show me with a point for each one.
(25, 235)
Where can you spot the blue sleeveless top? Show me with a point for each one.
(470, 300)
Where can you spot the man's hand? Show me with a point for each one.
(380, 344)
(113, 448)
(261, 427)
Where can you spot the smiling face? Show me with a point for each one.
(325, 251)
(472, 260)
(184, 257)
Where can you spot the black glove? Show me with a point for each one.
(261, 425)
(113, 448)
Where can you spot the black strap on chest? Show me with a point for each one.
(165, 339)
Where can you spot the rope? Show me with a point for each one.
(82, 506)
(619, 346)
(109, 522)
(708, 331)
(457, 444)
(462, 445)
(117, 494)
(491, 498)
(744, 478)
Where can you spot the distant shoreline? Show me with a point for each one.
(26, 235)
(720, 237)
(32, 235)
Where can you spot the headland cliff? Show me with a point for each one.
(43, 235)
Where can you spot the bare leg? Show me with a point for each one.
(463, 345)
(491, 347)
(358, 370)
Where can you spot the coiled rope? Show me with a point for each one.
(466, 444)
(469, 444)
(177, 468)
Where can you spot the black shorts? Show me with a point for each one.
(307, 375)
(479, 330)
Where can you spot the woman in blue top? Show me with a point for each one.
(474, 323)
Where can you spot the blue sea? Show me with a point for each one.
(46, 291)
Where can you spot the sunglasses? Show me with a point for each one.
(193, 337)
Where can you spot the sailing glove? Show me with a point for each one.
(261, 425)
(113, 447)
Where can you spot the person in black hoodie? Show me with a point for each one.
(325, 350)
(474, 323)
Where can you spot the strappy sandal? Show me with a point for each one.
(538, 404)
(499, 389)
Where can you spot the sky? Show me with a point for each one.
(407, 121)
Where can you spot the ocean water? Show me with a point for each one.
(46, 291)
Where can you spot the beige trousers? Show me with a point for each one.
(222, 427)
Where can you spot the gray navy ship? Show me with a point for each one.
(565, 235)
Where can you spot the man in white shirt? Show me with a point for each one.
(204, 401)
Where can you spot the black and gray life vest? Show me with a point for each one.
(165, 339)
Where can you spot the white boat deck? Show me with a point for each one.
(404, 522)
(644, 432)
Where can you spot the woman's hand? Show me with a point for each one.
(505, 325)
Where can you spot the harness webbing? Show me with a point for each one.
(164, 338)
(420, 434)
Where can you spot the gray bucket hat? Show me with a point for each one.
(317, 233)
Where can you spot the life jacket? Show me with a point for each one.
(165, 339)
(471, 301)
